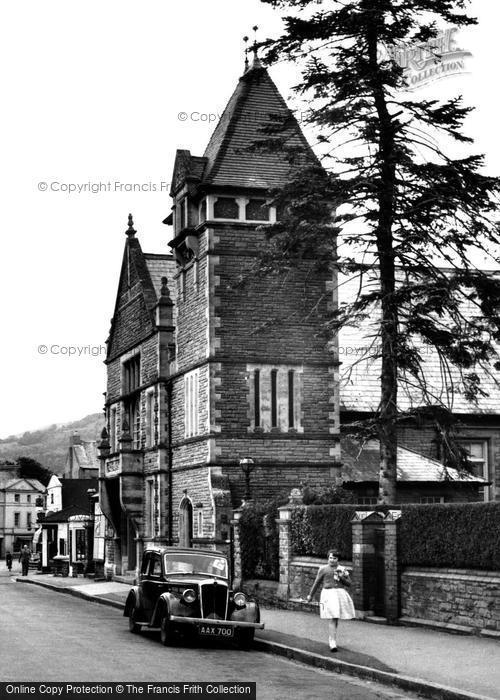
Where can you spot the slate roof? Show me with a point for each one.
(74, 493)
(361, 463)
(254, 105)
(62, 516)
(161, 266)
(249, 111)
(86, 454)
(360, 371)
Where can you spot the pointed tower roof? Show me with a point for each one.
(254, 105)
(231, 158)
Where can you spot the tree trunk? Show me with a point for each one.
(389, 321)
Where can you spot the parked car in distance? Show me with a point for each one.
(188, 590)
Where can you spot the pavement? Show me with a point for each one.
(427, 662)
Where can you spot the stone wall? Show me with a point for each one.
(467, 598)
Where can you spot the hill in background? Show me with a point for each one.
(49, 446)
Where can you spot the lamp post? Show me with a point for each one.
(247, 467)
(90, 531)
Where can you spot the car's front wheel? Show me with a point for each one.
(132, 622)
(166, 632)
(245, 637)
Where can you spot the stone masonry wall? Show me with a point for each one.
(194, 485)
(452, 596)
(303, 572)
(272, 480)
(191, 314)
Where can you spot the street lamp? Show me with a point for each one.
(247, 467)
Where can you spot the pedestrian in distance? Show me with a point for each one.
(335, 602)
(24, 558)
(8, 560)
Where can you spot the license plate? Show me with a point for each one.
(216, 631)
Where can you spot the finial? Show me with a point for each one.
(254, 47)
(164, 291)
(256, 62)
(131, 230)
(245, 39)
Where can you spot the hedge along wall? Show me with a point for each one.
(316, 529)
(259, 540)
(454, 535)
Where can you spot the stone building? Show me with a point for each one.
(217, 381)
(19, 504)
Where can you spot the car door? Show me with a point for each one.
(152, 584)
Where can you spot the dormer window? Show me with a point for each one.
(226, 208)
(257, 210)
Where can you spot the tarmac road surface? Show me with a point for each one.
(47, 636)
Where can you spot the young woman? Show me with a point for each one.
(335, 602)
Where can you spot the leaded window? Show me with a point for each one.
(226, 208)
(257, 210)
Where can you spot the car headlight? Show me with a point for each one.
(189, 596)
(240, 599)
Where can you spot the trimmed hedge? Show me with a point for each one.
(259, 539)
(455, 535)
(316, 529)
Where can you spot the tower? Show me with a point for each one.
(252, 379)
(219, 387)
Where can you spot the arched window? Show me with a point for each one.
(185, 523)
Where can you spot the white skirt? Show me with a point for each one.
(336, 603)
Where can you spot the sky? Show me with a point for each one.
(97, 97)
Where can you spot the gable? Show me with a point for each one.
(186, 167)
(28, 485)
(133, 319)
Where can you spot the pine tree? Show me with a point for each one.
(409, 216)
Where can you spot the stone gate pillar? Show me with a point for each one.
(285, 542)
(392, 566)
(364, 580)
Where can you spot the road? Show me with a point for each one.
(49, 636)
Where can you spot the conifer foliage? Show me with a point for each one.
(413, 205)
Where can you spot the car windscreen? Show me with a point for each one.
(195, 564)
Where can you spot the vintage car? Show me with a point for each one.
(187, 590)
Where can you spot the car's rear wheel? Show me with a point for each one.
(132, 622)
(166, 632)
(245, 637)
